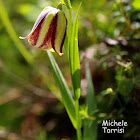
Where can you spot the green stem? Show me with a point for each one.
(69, 29)
(78, 123)
(70, 24)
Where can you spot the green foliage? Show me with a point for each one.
(42, 136)
(65, 93)
(13, 35)
(9, 110)
(74, 58)
(137, 80)
(107, 34)
(90, 127)
(75, 70)
(125, 87)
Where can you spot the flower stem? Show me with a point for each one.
(78, 127)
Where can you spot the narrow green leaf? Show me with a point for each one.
(65, 92)
(90, 129)
(7, 23)
(74, 58)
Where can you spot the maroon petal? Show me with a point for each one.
(47, 40)
(33, 37)
(38, 21)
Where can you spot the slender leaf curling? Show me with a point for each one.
(49, 30)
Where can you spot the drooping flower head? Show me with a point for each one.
(49, 30)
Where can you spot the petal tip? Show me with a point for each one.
(60, 54)
(22, 37)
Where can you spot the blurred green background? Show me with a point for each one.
(109, 39)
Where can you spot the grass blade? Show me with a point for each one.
(90, 129)
(74, 58)
(6, 22)
(65, 92)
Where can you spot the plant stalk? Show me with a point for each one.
(78, 123)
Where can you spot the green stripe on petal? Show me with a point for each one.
(42, 14)
(60, 31)
(45, 28)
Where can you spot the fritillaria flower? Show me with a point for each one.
(49, 30)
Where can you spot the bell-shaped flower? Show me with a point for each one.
(49, 30)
